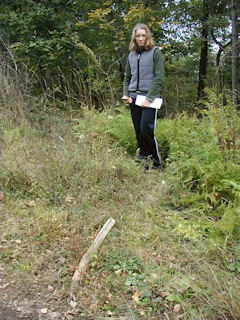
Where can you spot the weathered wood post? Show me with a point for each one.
(77, 277)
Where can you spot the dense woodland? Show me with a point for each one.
(77, 49)
(69, 163)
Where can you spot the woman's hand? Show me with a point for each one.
(127, 99)
(145, 103)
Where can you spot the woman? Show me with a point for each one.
(144, 75)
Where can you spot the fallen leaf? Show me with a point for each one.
(165, 294)
(159, 259)
(72, 269)
(15, 303)
(19, 309)
(55, 315)
(95, 134)
(4, 286)
(31, 204)
(73, 304)
(118, 272)
(166, 315)
(177, 308)
(62, 260)
(69, 198)
(44, 310)
(69, 316)
(142, 313)
(136, 296)
(171, 258)
(50, 288)
(57, 293)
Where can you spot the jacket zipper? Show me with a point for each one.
(139, 55)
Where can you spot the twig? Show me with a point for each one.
(77, 277)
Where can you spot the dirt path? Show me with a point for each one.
(8, 314)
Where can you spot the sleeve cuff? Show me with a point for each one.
(150, 99)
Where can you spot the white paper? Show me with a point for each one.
(156, 103)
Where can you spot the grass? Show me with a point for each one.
(58, 190)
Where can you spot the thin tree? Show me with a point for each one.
(204, 50)
(234, 52)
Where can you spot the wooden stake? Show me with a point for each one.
(77, 277)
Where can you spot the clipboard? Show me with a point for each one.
(156, 103)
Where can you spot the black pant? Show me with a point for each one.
(144, 121)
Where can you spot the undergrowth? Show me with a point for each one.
(201, 157)
(174, 249)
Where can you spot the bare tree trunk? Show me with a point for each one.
(221, 48)
(204, 51)
(234, 52)
(43, 81)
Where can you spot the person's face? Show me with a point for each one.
(141, 36)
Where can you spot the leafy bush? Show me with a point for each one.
(204, 161)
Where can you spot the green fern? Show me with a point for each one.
(230, 222)
(121, 129)
(234, 187)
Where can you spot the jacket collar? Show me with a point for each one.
(138, 50)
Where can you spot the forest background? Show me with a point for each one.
(69, 161)
(77, 50)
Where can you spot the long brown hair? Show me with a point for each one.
(150, 42)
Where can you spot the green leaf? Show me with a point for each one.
(231, 267)
(173, 297)
(146, 293)
(184, 283)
